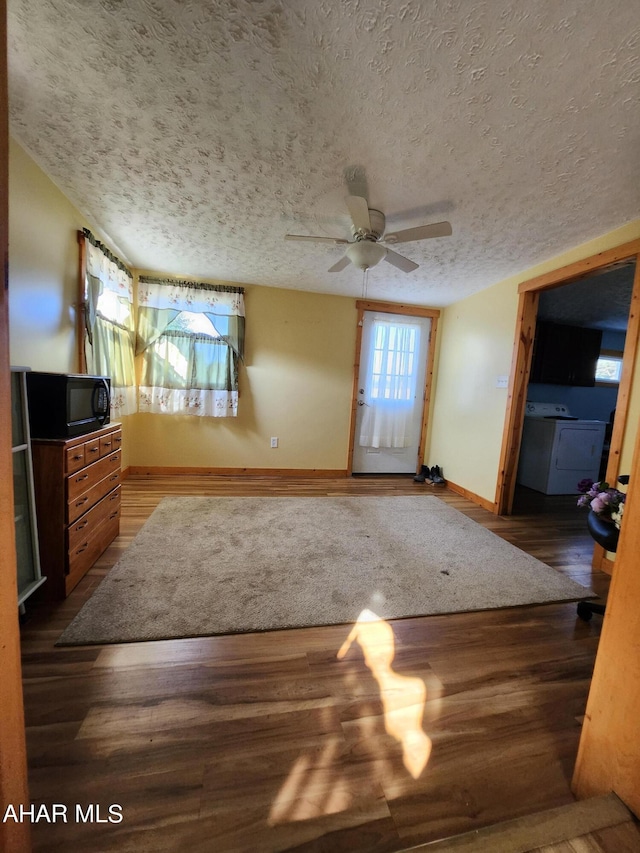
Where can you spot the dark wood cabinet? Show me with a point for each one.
(565, 355)
(77, 490)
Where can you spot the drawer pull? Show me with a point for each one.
(113, 497)
(82, 548)
(78, 456)
(93, 449)
(82, 525)
(113, 515)
(82, 501)
(107, 443)
(81, 478)
(115, 477)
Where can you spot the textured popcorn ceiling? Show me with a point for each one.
(194, 135)
(599, 302)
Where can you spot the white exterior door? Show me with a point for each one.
(390, 393)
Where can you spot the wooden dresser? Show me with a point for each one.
(77, 492)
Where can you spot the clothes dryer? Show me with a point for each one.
(558, 450)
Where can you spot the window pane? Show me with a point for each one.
(196, 323)
(113, 309)
(608, 369)
(394, 361)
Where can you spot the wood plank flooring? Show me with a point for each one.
(597, 825)
(624, 838)
(270, 742)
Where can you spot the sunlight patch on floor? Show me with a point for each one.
(316, 784)
(403, 697)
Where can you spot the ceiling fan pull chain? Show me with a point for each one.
(365, 282)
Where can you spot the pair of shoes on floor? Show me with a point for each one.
(430, 476)
(435, 475)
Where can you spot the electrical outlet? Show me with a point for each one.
(274, 441)
(502, 381)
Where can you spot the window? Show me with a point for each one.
(191, 338)
(394, 361)
(189, 322)
(609, 368)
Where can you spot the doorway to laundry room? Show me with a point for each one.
(572, 393)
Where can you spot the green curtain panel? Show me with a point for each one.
(190, 337)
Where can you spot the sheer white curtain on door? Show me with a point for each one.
(390, 385)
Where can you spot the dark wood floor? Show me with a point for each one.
(265, 742)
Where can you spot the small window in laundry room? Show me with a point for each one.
(609, 368)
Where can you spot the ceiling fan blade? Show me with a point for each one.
(400, 261)
(340, 265)
(422, 232)
(359, 210)
(333, 240)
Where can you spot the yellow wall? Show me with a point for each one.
(43, 272)
(43, 268)
(295, 385)
(476, 346)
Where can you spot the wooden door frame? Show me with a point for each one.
(432, 314)
(529, 294)
(13, 764)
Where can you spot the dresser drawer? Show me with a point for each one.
(107, 444)
(83, 480)
(84, 555)
(74, 459)
(108, 507)
(92, 450)
(80, 504)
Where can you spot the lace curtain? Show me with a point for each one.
(109, 325)
(191, 338)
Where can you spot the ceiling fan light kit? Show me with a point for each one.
(365, 250)
(365, 254)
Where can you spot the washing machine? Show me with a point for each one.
(557, 449)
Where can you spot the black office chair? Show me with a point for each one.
(606, 535)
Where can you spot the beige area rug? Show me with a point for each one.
(203, 566)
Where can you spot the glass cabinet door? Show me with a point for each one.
(18, 435)
(28, 561)
(26, 557)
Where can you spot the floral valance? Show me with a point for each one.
(190, 296)
(104, 265)
(161, 300)
(111, 277)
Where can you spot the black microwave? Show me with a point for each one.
(64, 405)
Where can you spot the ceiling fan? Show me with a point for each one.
(365, 250)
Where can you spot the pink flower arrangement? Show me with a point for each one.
(601, 498)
